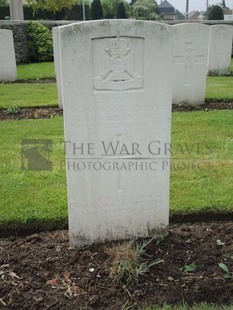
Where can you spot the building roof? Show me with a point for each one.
(166, 7)
(165, 4)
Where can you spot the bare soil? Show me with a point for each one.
(39, 271)
(50, 112)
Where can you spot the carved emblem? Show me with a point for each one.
(118, 68)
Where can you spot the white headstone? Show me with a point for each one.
(57, 63)
(16, 10)
(220, 47)
(190, 52)
(117, 110)
(7, 56)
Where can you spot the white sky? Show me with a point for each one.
(195, 5)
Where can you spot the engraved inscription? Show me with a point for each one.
(117, 63)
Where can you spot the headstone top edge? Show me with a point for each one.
(222, 26)
(191, 25)
(110, 22)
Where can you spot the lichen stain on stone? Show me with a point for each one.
(155, 231)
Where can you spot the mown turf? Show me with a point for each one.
(219, 88)
(28, 95)
(34, 71)
(35, 195)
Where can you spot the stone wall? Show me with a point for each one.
(20, 39)
(19, 29)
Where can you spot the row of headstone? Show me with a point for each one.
(197, 49)
(8, 70)
(220, 48)
(117, 89)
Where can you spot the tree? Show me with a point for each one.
(3, 2)
(50, 5)
(121, 13)
(110, 8)
(215, 12)
(96, 10)
(145, 9)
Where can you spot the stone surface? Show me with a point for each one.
(220, 46)
(190, 52)
(117, 93)
(57, 63)
(7, 56)
(16, 10)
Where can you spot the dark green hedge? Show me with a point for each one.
(76, 13)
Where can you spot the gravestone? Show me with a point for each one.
(220, 46)
(190, 52)
(57, 63)
(7, 56)
(117, 93)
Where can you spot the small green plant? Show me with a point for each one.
(227, 274)
(12, 111)
(128, 262)
(188, 268)
(160, 238)
(40, 42)
(220, 243)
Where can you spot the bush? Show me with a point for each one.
(40, 42)
(215, 13)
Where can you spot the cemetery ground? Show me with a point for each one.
(192, 264)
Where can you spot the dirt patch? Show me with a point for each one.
(29, 113)
(34, 81)
(41, 272)
(48, 112)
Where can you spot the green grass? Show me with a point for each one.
(28, 95)
(203, 183)
(36, 71)
(32, 195)
(28, 195)
(219, 88)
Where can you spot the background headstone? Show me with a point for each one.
(117, 89)
(57, 63)
(8, 70)
(220, 47)
(190, 53)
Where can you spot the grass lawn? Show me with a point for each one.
(34, 71)
(219, 88)
(28, 95)
(37, 195)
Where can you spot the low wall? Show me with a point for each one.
(19, 29)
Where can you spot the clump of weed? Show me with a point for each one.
(12, 111)
(128, 261)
